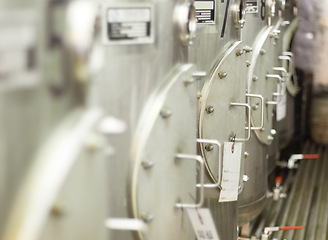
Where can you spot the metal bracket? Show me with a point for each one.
(262, 109)
(248, 128)
(200, 160)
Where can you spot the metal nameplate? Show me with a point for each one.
(205, 11)
(128, 24)
(252, 6)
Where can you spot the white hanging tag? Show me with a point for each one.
(230, 171)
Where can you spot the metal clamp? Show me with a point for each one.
(248, 128)
(200, 160)
(275, 94)
(262, 109)
(214, 142)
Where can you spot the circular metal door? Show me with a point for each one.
(262, 81)
(222, 109)
(162, 176)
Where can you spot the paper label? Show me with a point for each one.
(230, 172)
(203, 224)
(205, 11)
(282, 104)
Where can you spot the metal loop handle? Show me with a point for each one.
(275, 94)
(214, 142)
(262, 109)
(200, 160)
(248, 128)
(126, 224)
(290, 65)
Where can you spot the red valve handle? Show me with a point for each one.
(279, 179)
(311, 156)
(291, 228)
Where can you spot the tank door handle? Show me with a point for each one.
(248, 128)
(126, 224)
(219, 146)
(275, 76)
(262, 109)
(288, 58)
(199, 186)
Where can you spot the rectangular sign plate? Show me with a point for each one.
(128, 24)
(252, 6)
(205, 11)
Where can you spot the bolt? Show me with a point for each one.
(246, 154)
(262, 52)
(209, 109)
(270, 138)
(57, 210)
(92, 144)
(239, 52)
(147, 164)
(255, 106)
(166, 113)
(255, 78)
(248, 63)
(222, 75)
(209, 147)
(189, 81)
(147, 217)
(273, 132)
(245, 178)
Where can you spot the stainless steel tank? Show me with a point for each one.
(32, 103)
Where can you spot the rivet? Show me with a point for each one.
(262, 52)
(255, 78)
(248, 63)
(246, 154)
